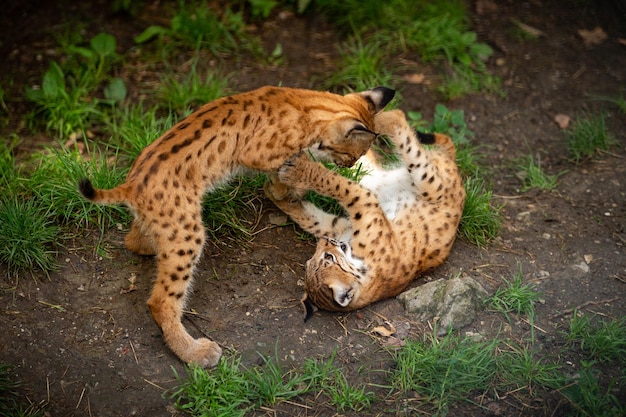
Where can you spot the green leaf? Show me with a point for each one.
(150, 33)
(103, 44)
(115, 90)
(468, 38)
(482, 50)
(86, 53)
(53, 85)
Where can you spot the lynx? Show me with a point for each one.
(258, 130)
(401, 221)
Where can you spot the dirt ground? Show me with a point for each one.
(85, 347)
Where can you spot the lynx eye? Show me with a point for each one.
(329, 257)
(343, 247)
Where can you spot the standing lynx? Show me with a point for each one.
(259, 130)
(401, 221)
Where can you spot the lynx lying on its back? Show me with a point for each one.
(401, 221)
(259, 130)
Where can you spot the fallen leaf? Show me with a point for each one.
(414, 78)
(562, 120)
(593, 37)
(588, 259)
(385, 331)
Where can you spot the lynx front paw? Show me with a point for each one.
(204, 352)
(293, 171)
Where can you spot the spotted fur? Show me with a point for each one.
(401, 221)
(256, 130)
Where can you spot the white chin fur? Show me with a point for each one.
(342, 295)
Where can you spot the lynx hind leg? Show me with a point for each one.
(390, 123)
(180, 249)
(304, 213)
(138, 241)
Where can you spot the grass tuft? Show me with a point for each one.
(28, 235)
(192, 90)
(588, 398)
(481, 219)
(515, 297)
(55, 184)
(222, 391)
(446, 370)
(363, 65)
(332, 382)
(532, 175)
(603, 340)
(226, 211)
(269, 384)
(522, 372)
(587, 136)
(134, 128)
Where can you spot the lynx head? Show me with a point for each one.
(334, 277)
(347, 124)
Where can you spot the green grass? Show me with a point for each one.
(270, 384)
(223, 391)
(234, 390)
(446, 370)
(63, 106)
(533, 176)
(588, 398)
(66, 101)
(515, 297)
(330, 381)
(602, 340)
(436, 30)
(433, 375)
(230, 211)
(195, 24)
(481, 219)
(587, 136)
(134, 127)
(29, 236)
(55, 184)
(363, 65)
(521, 370)
(192, 89)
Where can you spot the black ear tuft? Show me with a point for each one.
(380, 97)
(86, 189)
(425, 138)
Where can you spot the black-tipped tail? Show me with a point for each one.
(86, 189)
(425, 138)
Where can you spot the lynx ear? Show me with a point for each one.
(308, 306)
(379, 97)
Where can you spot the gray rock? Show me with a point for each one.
(453, 302)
